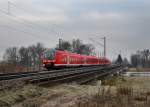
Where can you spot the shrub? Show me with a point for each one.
(4, 104)
(31, 103)
(140, 98)
(122, 90)
(31, 91)
(113, 81)
(19, 98)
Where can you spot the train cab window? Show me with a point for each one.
(49, 54)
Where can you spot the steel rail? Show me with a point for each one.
(68, 74)
(11, 76)
(60, 74)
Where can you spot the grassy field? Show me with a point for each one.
(128, 92)
(114, 92)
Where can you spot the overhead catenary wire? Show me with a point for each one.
(23, 9)
(35, 24)
(21, 20)
(58, 33)
(22, 28)
(103, 45)
(9, 13)
(22, 31)
(94, 41)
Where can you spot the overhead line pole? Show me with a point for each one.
(104, 38)
(104, 46)
(60, 43)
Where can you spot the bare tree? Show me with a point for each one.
(126, 62)
(23, 56)
(86, 49)
(119, 60)
(11, 55)
(39, 50)
(76, 45)
(33, 56)
(81, 48)
(64, 45)
(141, 58)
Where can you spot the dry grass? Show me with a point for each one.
(35, 96)
(129, 92)
(115, 92)
(113, 81)
(7, 68)
(124, 97)
(121, 90)
(13, 85)
(13, 96)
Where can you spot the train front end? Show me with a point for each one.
(48, 58)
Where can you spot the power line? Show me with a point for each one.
(16, 6)
(22, 20)
(22, 31)
(96, 42)
(32, 15)
(21, 23)
(103, 45)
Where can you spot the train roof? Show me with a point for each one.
(76, 54)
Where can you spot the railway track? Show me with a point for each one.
(75, 75)
(56, 75)
(10, 76)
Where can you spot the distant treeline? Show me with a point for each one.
(76, 46)
(141, 58)
(24, 56)
(29, 57)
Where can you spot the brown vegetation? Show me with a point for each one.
(124, 97)
(13, 96)
(7, 68)
(115, 92)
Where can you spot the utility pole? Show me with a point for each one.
(104, 46)
(60, 43)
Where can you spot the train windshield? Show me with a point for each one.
(49, 54)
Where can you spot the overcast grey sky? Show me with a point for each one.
(125, 23)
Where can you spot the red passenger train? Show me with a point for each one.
(52, 58)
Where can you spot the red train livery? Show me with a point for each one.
(52, 57)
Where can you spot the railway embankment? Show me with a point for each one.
(113, 92)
